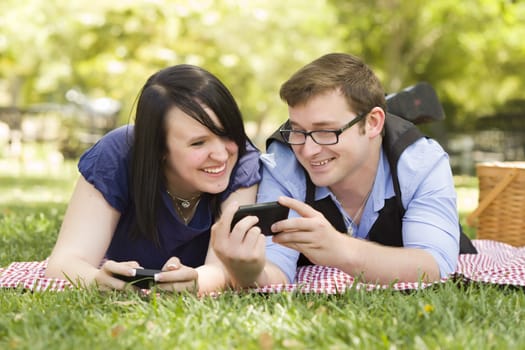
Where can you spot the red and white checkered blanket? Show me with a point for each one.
(496, 263)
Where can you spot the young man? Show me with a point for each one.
(381, 204)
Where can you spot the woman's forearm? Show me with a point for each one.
(212, 278)
(73, 269)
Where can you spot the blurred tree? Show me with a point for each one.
(109, 48)
(468, 50)
(259, 44)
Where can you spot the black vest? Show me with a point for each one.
(387, 230)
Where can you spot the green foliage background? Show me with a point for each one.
(471, 51)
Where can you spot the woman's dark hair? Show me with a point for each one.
(186, 87)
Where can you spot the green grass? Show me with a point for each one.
(448, 316)
(32, 204)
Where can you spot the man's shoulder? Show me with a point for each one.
(278, 153)
(422, 152)
(421, 159)
(281, 166)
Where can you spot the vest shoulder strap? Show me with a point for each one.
(399, 134)
(276, 135)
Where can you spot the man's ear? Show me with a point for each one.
(375, 121)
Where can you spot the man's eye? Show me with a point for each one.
(197, 143)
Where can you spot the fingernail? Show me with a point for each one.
(133, 272)
(156, 277)
(173, 266)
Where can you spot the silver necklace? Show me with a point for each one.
(185, 203)
(358, 212)
(186, 219)
(355, 217)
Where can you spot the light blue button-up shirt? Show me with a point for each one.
(428, 196)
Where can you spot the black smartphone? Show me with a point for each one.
(268, 213)
(144, 278)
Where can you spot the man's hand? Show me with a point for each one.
(311, 234)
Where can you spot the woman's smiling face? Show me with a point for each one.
(197, 160)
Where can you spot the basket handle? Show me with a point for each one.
(500, 186)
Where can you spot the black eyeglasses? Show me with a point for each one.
(321, 137)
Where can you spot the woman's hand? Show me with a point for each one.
(241, 249)
(176, 277)
(105, 277)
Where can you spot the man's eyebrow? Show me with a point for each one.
(322, 124)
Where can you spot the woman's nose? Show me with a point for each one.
(219, 150)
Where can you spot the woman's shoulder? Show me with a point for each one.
(112, 151)
(106, 165)
(118, 137)
(116, 142)
(247, 170)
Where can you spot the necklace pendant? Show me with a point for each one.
(185, 204)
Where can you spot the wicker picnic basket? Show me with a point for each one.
(500, 214)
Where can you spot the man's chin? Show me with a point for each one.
(321, 181)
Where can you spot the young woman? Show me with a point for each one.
(148, 194)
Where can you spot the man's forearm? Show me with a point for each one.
(376, 263)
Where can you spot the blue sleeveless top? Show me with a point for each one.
(106, 166)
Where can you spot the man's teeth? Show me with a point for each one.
(320, 163)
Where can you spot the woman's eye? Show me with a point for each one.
(197, 143)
